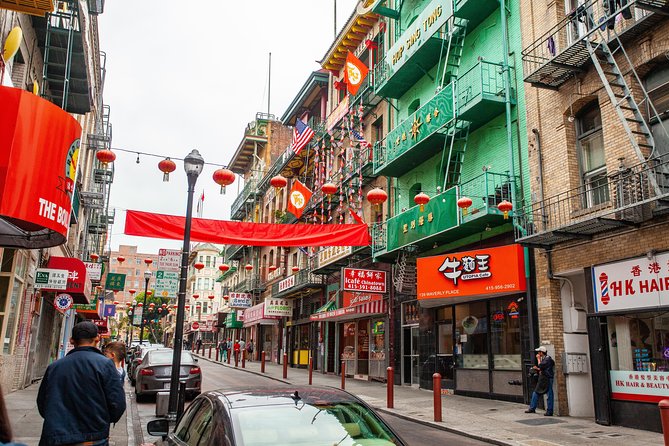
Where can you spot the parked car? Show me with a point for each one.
(137, 358)
(274, 416)
(155, 371)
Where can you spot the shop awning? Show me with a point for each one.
(78, 285)
(232, 321)
(347, 313)
(330, 305)
(256, 316)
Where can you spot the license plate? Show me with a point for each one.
(167, 386)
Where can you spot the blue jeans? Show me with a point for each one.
(549, 395)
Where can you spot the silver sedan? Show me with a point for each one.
(154, 373)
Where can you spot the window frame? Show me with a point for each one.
(589, 178)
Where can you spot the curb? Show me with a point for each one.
(383, 410)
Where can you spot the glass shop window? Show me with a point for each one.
(505, 333)
(471, 330)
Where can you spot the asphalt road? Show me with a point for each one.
(217, 377)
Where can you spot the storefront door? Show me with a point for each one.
(363, 347)
(410, 356)
(444, 358)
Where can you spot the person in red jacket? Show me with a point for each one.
(237, 349)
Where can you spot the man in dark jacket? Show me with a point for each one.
(80, 394)
(545, 368)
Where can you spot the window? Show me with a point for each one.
(201, 259)
(208, 262)
(196, 425)
(590, 142)
(199, 284)
(471, 332)
(581, 19)
(415, 105)
(657, 85)
(138, 262)
(505, 333)
(206, 283)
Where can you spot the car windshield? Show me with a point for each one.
(342, 424)
(165, 357)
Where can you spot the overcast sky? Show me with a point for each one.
(191, 75)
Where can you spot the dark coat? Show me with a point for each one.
(80, 395)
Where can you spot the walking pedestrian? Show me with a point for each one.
(198, 344)
(222, 347)
(5, 427)
(236, 347)
(80, 394)
(116, 352)
(249, 350)
(545, 369)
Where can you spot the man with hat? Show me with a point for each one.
(80, 394)
(545, 368)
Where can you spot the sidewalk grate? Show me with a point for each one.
(540, 421)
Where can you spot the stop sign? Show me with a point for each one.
(195, 325)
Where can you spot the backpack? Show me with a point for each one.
(249, 348)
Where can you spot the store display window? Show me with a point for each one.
(471, 331)
(349, 341)
(410, 313)
(505, 333)
(379, 341)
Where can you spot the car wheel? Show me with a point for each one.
(139, 397)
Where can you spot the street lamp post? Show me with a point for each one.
(193, 164)
(147, 278)
(131, 324)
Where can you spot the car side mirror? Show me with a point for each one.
(158, 428)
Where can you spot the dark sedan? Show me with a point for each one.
(155, 371)
(311, 416)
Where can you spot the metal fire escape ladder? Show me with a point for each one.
(624, 103)
(65, 16)
(458, 134)
(456, 45)
(404, 274)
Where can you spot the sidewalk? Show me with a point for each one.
(27, 423)
(497, 422)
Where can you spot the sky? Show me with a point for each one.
(192, 75)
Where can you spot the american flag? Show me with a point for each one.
(302, 134)
(360, 139)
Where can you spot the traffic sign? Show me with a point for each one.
(167, 283)
(169, 259)
(195, 325)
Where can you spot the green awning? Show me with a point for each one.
(232, 322)
(331, 305)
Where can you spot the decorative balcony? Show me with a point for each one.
(442, 222)
(366, 96)
(475, 11)
(234, 252)
(481, 93)
(32, 7)
(416, 138)
(624, 199)
(222, 276)
(301, 283)
(562, 51)
(415, 52)
(245, 201)
(331, 259)
(251, 284)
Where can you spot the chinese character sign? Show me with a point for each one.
(486, 271)
(240, 300)
(355, 279)
(631, 284)
(115, 282)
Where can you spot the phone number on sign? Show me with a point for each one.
(506, 286)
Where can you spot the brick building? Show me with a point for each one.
(596, 123)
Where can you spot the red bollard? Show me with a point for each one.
(436, 388)
(262, 362)
(311, 370)
(343, 375)
(285, 365)
(229, 355)
(236, 359)
(243, 359)
(390, 379)
(664, 419)
(210, 352)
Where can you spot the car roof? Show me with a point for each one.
(284, 395)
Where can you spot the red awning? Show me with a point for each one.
(78, 285)
(147, 224)
(347, 313)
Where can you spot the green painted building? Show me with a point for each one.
(452, 75)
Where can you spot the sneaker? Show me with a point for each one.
(530, 411)
(548, 414)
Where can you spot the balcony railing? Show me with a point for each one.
(250, 284)
(297, 282)
(623, 198)
(480, 92)
(562, 51)
(248, 193)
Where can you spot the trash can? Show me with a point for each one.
(162, 403)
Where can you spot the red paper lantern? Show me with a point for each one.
(149, 293)
(148, 261)
(272, 268)
(152, 305)
(132, 291)
(278, 182)
(115, 291)
(116, 302)
(464, 203)
(421, 199)
(195, 296)
(105, 157)
(329, 189)
(506, 207)
(175, 306)
(248, 267)
(120, 259)
(198, 265)
(377, 196)
(187, 307)
(129, 304)
(211, 297)
(224, 177)
(140, 304)
(159, 310)
(98, 288)
(94, 257)
(226, 297)
(224, 267)
(167, 166)
(295, 269)
(164, 305)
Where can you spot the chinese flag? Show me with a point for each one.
(355, 72)
(298, 198)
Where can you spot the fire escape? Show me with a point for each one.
(592, 34)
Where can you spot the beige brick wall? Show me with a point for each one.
(548, 112)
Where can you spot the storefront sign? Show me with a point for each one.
(355, 279)
(331, 254)
(278, 307)
(240, 300)
(102, 326)
(169, 259)
(271, 275)
(115, 282)
(354, 298)
(137, 314)
(485, 271)
(39, 152)
(632, 284)
(109, 311)
(257, 315)
(337, 114)
(78, 285)
(648, 387)
(423, 28)
(94, 270)
(167, 283)
(287, 283)
(53, 279)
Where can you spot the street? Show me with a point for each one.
(215, 376)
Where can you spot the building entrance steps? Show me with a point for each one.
(493, 421)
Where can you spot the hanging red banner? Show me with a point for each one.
(147, 224)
